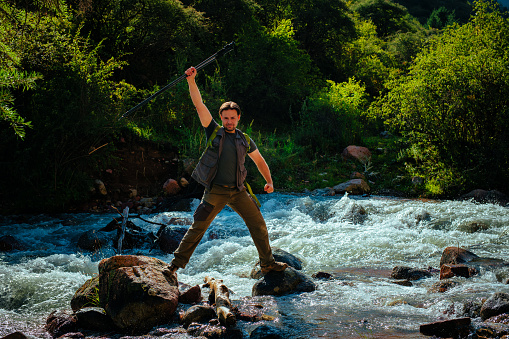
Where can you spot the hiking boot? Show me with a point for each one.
(173, 269)
(275, 266)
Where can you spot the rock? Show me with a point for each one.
(100, 187)
(354, 186)
(449, 270)
(183, 182)
(15, 335)
(198, 314)
(448, 328)
(456, 255)
(190, 295)
(482, 196)
(94, 318)
(322, 276)
(87, 295)
(94, 240)
(137, 292)
(500, 319)
(495, 305)
(170, 237)
(491, 330)
(9, 243)
(473, 227)
(171, 187)
(281, 283)
(408, 273)
(206, 331)
(472, 308)
(442, 286)
(404, 282)
(267, 332)
(59, 323)
(282, 256)
(359, 153)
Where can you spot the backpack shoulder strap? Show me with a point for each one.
(213, 136)
(248, 139)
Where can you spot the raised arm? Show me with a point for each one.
(203, 111)
(262, 166)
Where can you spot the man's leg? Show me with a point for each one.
(211, 204)
(245, 206)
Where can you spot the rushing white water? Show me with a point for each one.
(358, 240)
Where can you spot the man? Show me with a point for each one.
(221, 170)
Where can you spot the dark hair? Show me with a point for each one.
(229, 105)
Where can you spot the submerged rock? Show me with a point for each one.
(409, 273)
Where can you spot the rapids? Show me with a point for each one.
(356, 239)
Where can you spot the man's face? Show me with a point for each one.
(230, 120)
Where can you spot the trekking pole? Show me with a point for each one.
(202, 64)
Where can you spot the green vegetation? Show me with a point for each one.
(311, 76)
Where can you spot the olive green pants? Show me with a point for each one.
(212, 203)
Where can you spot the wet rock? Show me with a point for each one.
(94, 240)
(442, 286)
(282, 256)
(9, 243)
(15, 335)
(473, 227)
(501, 319)
(495, 305)
(491, 330)
(207, 331)
(87, 295)
(170, 237)
(137, 292)
(449, 270)
(59, 323)
(457, 255)
(472, 308)
(267, 332)
(94, 318)
(189, 295)
(281, 283)
(353, 186)
(322, 276)
(483, 196)
(198, 314)
(448, 328)
(405, 282)
(409, 273)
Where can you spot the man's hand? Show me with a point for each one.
(191, 72)
(269, 188)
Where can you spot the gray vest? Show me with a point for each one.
(206, 169)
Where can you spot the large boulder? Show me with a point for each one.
(137, 292)
(94, 240)
(354, 186)
(281, 283)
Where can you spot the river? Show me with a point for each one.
(328, 234)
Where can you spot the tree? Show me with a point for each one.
(441, 18)
(454, 105)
